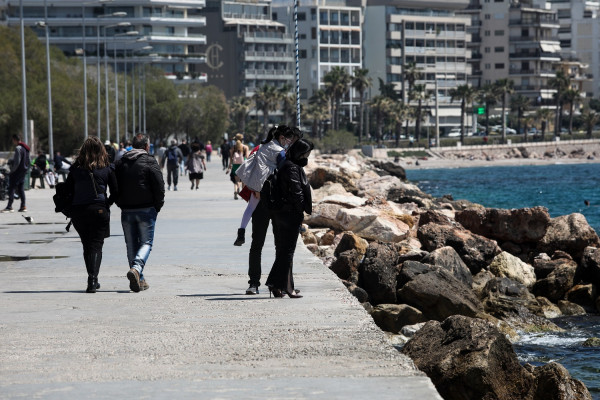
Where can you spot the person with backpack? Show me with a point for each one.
(225, 149)
(16, 178)
(89, 177)
(172, 157)
(296, 199)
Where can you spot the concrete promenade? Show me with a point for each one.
(194, 334)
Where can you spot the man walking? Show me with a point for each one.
(18, 169)
(172, 157)
(141, 196)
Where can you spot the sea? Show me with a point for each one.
(561, 188)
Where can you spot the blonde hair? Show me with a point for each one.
(92, 155)
(239, 147)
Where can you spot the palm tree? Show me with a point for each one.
(336, 84)
(411, 74)
(521, 105)
(560, 82)
(398, 113)
(418, 94)
(381, 106)
(240, 107)
(590, 118)
(266, 99)
(488, 95)
(361, 82)
(570, 97)
(318, 111)
(288, 104)
(504, 87)
(466, 94)
(543, 114)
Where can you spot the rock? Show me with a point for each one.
(367, 223)
(553, 382)
(517, 226)
(543, 265)
(327, 238)
(570, 309)
(476, 251)
(410, 330)
(313, 248)
(308, 237)
(346, 265)
(391, 168)
(377, 273)
(598, 304)
(448, 258)
(323, 215)
(584, 295)
(328, 189)
(590, 265)
(392, 317)
(409, 193)
(320, 175)
(469, 358)
(371, 184)
(591, 342)
(345, 200)
(548, 309)
(570, 233)
(438, 295)
(435, 217)
(350, 241)
(507, 265)
(557, 283)
(409, 269)
(361, 295)
(480, 280)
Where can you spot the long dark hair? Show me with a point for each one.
(92, 155)
(280, 130)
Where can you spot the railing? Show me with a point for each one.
(269, 35)
(271, 54)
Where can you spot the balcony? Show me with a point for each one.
(266, 37)
(269, 74)
(268, 56)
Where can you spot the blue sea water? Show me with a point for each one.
(562, 189)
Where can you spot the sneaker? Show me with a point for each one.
(144, 285)
(175, 188)
(252, 290)
(7, 210)
(134, 279)
(23, 209)
(169, 188)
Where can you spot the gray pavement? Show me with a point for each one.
(194, 334)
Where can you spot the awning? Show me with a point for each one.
(550, 48)
(243, 21)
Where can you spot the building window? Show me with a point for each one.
(301, 16)
(499, 49)
(335, 18)
(355, 18)
(345, 17)
(487, 33)
(302, 53)
(302, 36)
(488, 66)
(487, 16)
(313, 33)
(487, 50)
(355, 37)
(499, 66)
(324, 18)
(499, 32)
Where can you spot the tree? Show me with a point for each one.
(336, 85)
(361, 82)
(570, 97)
(266, 99)
(381, 106)
(488, 95)
(521, 105)
(399, 112)
(411, 73)
(239, 107)
(318, 111)
(419, 94)
(162, 104)
(560, 82)
(590, 118)
(543, 114)
(288, 104)
(504, 87)
(466, 94)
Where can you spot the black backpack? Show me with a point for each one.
(63, 199)
(270, 192)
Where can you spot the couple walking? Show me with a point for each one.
(135, 184)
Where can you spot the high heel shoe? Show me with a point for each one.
(275, 292)
(293, 295)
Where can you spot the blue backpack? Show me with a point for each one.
(172, 156)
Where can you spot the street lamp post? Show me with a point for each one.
(23, 77)
(49, 76)
(106, 76)
(117, 133)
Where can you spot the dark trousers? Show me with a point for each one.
(286, 228)
(41, 178)
(172, 171)
(225, 161)
(92, 223)
(16, 183)
(260, 224)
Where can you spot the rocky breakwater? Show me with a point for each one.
(458, 281)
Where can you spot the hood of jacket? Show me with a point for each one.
(24, 146)
(134, 154)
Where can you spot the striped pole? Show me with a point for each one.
(297, 64)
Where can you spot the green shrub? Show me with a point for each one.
(336, 142)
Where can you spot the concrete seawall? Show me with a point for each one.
(194, 334)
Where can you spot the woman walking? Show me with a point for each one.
(294, 192)
(89, 177)
(237, 158)
(195, 165)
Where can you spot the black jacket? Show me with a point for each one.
(140, 180)
(294, 188)
(86, 192)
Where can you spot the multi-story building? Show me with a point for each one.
(329, 35)
(579, 35)
(429, 35)
(246, 49)
(165, 26)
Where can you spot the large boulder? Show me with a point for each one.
(409, 193)
(590, 265)
(377, 273)
(438, 295)
(476, 251)
(369, 223)
(392, 317)
(321, 175)
(469, 358)
(584, 295)
(557, 283)
(553, 382)
(345, 266)
(370, 184)
(390, 168)
(570, 233)
(518, 225)
(324, 215)
(448, 258)
(507, 265)
(350, 241)
(329, 189)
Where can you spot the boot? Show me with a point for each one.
(240, 237)
(95, 261)
(91, 288)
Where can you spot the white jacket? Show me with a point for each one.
(257, 168)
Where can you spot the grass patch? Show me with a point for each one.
(407, 153)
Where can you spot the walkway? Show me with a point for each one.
(194, 334)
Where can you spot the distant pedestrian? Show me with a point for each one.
(61, 166)
(89, 177)
(185, 151)
(141, 199)
(172, 157)
(295, 195)
(208, 149)
(19, 165)
(196, 165)
(39, 167)
(225, 149)
(237, 159)
(110, 150)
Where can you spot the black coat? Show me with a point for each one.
(140, 181)
(294, 188)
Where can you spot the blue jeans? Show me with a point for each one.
(138, 228)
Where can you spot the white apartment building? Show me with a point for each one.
(245, 48)
(428, 34)
(162, 25)
(329, 35)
